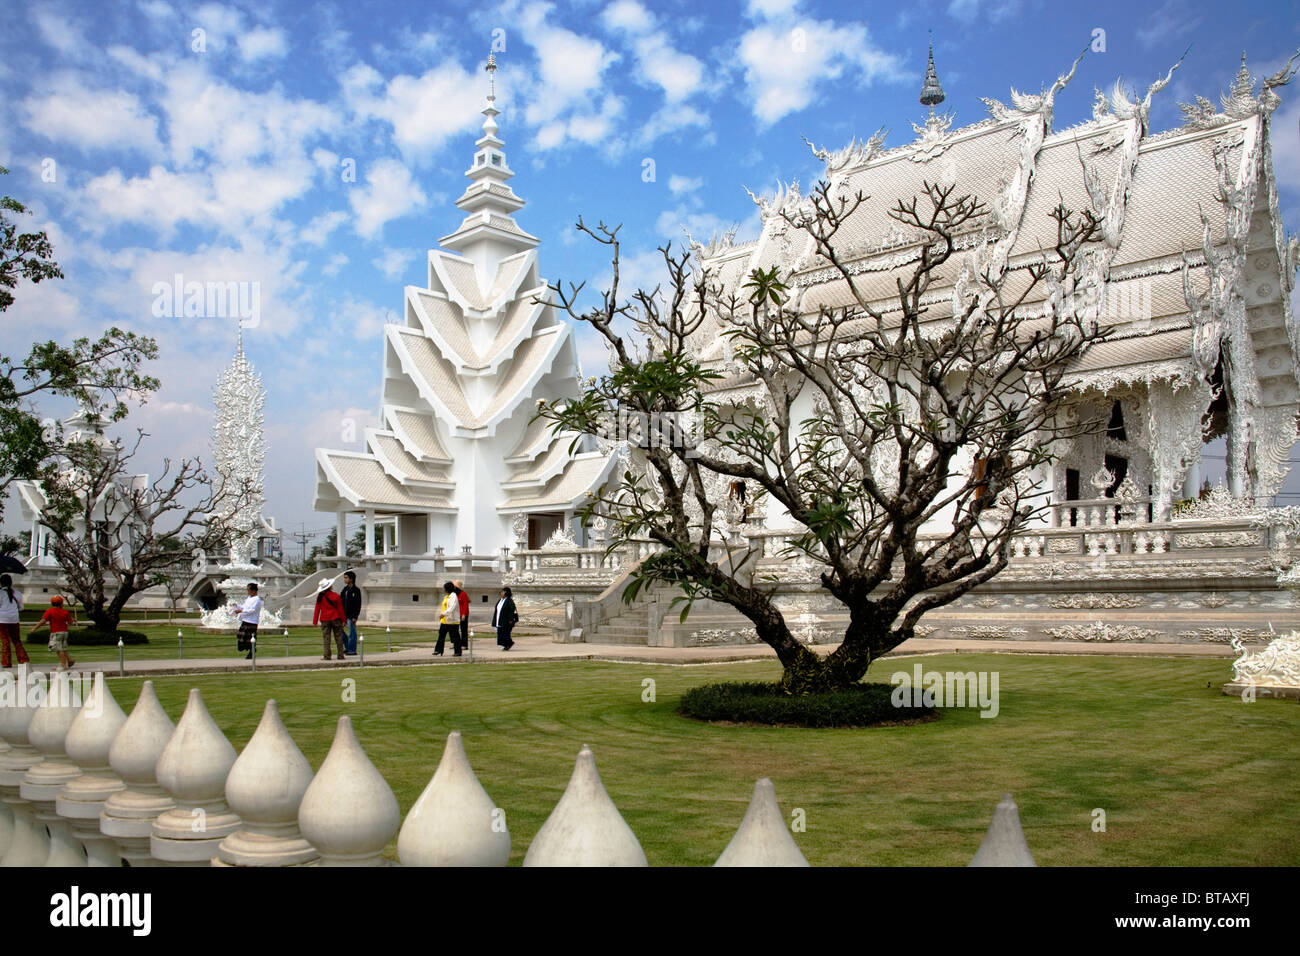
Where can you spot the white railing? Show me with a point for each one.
(87, 785)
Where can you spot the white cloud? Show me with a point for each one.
(262, 42)
(60, 33)
(75, 114)
(785, 66)
(424, 111)
(337, 262)
(684, 184)
(389, 193)
(161, 200)
(393, 262)
(658, 63)
(770, 9)
(319, 229)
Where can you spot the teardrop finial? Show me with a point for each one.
(1004, 843)
(349, 812)
(585, 828)
(454, 822)
(762, 838)
(931, 91)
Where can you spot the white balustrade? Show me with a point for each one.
(82, 799)
(349, 812)
(43, 781)
(128, 815)
(585, 828)
(762, 838)
(265, 787)
(30, 844)
(192, 769)
(454, 822)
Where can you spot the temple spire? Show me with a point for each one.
(931, 91)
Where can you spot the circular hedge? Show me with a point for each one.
(91, 637)
(861, 705)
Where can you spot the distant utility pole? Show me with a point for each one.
(302, 538)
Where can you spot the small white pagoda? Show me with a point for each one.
(239, 455)
(457, 466)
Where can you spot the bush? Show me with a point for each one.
(91, 637)
(862, 705)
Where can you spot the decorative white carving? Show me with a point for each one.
(561, 539)
(1277, 665)
(1093, 601)
(1101, 631)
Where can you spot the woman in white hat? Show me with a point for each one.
(330, 615)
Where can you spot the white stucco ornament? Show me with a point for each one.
(193, 768)
(88, 743)
(454, 822)
(129, 814)
(41, 785)
(1004, 842)
(29, 843)
(265, 787)
(349, 812)
(763, 838)
(585, 828)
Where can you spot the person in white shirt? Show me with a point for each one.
(250, 612)
(11, 602)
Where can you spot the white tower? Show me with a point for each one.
(457, 460)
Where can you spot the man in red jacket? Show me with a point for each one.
(330, 615)
(464, 616)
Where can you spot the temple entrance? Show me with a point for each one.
(541, 527)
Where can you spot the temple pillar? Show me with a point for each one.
(34, 545)
(370, 533)
(341, 535)
(1174, 431)
(1192, 480)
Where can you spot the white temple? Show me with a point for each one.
(457, 465)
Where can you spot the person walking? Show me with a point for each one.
(58, 619)
(463, 600)
(330, 615)
(250, 614)
(504, 619)
(11, 602)
(351, 596)
(448, 620)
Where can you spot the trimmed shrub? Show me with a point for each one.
(862, 705)
(90, 637)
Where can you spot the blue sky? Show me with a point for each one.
(212, 140)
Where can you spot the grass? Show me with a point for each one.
(163, 643)
(1185, 775)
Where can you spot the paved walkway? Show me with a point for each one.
(531, 649)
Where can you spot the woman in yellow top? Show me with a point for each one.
(449, 622)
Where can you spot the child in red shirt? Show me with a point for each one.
(58, 620)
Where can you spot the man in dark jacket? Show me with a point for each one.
(504, 619)
(351, 595)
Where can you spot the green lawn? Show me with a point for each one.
(163, 642)
(1185, 775)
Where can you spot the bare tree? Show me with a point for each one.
(873, 421)
(116, 534)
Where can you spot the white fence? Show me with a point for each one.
(88, 785)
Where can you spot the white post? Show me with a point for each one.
(88, 742)
(129, 814)
(370, 532)
(193, 769)
(29, 844)
(47, 733)
(34, 545)
(341, 535)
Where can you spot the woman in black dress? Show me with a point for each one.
(504, 619)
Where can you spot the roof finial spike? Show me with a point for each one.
(492, 76)
(931, 91)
